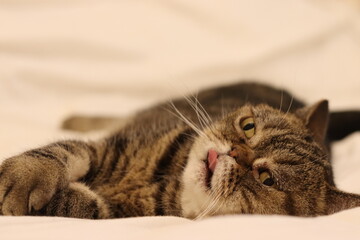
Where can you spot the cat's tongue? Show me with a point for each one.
(212, 159)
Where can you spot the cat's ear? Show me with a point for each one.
(316, 118)
(337, 200)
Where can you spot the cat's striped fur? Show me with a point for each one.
(158, 163)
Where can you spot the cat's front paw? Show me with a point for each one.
(28, 183)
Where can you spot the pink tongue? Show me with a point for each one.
(212, 159)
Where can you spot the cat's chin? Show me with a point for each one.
(200, 175)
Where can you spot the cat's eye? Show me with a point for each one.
(266, 178)
(248, 126)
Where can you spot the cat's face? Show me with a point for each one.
(256, 160)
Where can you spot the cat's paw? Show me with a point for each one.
(77, 201)
(27, 183)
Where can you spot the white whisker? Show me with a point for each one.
(204, 112)
(190, 123)
(281, 100)
(287, 111)
(202, 115)
(291, 102)
(211, 204)
(197, 112)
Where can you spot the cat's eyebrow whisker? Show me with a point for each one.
(286, 113)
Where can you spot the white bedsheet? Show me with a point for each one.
(60, 57)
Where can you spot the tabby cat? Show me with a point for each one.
(246, 149)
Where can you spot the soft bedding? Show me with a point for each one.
(107, 57)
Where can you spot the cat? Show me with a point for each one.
(245, 148)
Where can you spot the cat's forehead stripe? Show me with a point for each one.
(294, 145)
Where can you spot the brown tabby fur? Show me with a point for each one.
(156, 164)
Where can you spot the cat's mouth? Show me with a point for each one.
(211, 162)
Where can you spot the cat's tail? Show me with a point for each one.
(82, 123)
(343, 123)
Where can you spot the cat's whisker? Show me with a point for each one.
(201, 121)
(204, 208)
(203, 117)
(206, 115)
(281, 100)
(210, 204)
(200, 112)
(185, 120)
(194, 106)
(290, 105)
(218, 206)
(207, 210)
(286, 113)
(215, 204)
(197, 106)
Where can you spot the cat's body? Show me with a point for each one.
(256, 149)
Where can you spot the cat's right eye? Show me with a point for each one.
(248, 126)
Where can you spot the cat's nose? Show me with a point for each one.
(242, 154)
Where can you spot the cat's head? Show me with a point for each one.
(259, 160)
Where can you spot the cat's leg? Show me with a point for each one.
(43, 180)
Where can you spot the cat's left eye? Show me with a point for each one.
(248, 126)
(266, 178)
